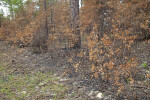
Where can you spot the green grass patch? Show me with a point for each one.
(29, 85)
(145, 65)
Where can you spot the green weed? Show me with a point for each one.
(22, 86)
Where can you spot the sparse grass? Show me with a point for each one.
(145, 65)
(29, 85)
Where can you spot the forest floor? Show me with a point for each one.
(50, 76)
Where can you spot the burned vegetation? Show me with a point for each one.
(102, 43)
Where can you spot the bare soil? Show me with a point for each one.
(80, 85)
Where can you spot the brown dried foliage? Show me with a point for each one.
(108, 30)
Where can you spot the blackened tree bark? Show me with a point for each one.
(0, 21)
(46, 25)
(75, 25)
(52, 22)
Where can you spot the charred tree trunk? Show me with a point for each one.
(75, 25)
(52, 22)
(0, 21)
(46, 24)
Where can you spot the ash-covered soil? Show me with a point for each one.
(80, 84)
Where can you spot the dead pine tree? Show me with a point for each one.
(75, 25)
(0, 21)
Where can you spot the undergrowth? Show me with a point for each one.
(29, 86)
